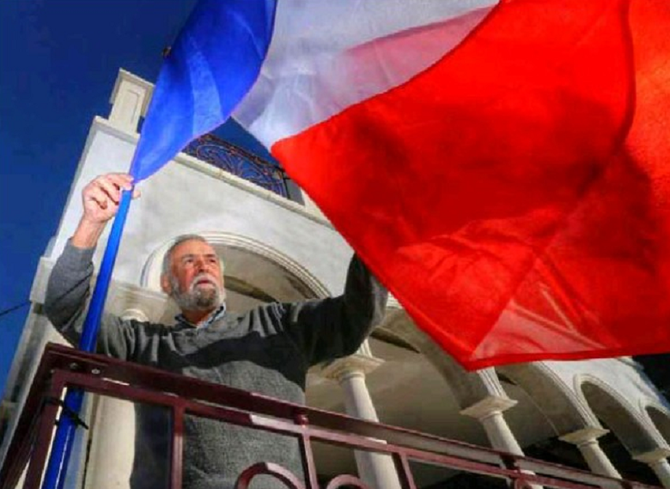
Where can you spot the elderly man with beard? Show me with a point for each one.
(266, 350)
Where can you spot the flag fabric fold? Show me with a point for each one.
(500, 167)
(213, 63)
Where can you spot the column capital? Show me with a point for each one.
(653, 456)
(584, 435)
(356, 363)
(488, 406)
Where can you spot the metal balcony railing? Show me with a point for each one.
(63, 367)
(239, 162)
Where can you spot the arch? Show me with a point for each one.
(252, 268)
(659, 417)
(560, 405)
(617, 413)
(467, 387)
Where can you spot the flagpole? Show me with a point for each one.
(69, 417)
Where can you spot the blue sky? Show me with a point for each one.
(58, 63)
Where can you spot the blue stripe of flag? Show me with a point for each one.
(211, 67)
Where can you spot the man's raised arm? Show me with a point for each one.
(336, 327)
(70, 278)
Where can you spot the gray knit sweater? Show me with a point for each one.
(266, 350)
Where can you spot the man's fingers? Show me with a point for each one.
(100, 197)
(109, 187)
(136, 193)
(121, 180)
(104, 193)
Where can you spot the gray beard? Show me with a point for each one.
(197, 299)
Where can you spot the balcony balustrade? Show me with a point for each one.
(63, 367)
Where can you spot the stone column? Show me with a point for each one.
(376, 470)
(112, 432)
(656, 460)
(586, 441)
(489, 412)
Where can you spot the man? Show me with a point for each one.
(267, 350)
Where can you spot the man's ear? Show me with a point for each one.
(165, 284)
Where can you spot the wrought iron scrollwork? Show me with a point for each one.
(346, 480)
(239, 162)
(268, 468)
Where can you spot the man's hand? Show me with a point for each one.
(101, 202)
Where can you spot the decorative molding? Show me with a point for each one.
(130, 100)
(585, 435)
(644, 424)
(585, 416)
(354, 364)
(653, 456)
(647, 404)
(125, 75)
(393, 303)
(104, 125)
(488, 406)
(196, 164)
(577, 402)
(624, 404)
(365, 349)
(490, 379)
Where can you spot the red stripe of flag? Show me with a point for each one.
(530, 156)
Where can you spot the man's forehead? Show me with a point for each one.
(193, 246)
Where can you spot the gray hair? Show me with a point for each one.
(167, 259)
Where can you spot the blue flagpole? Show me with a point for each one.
(67, 426)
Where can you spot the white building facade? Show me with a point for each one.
(604, 416)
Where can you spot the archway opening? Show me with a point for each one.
(254, 273)
(661, 419)
(550, 410)
(627, 436)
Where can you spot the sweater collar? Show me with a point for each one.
(214, 316)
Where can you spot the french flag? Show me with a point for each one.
(502, 167)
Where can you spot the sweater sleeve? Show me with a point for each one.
(65, 304)
(336, 327)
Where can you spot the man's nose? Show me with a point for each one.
(200, 264)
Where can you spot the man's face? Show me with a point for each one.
(196, 282)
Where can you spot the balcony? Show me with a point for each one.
(63, 367)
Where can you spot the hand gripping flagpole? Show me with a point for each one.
(68, 420)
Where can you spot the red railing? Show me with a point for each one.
(63, 367)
